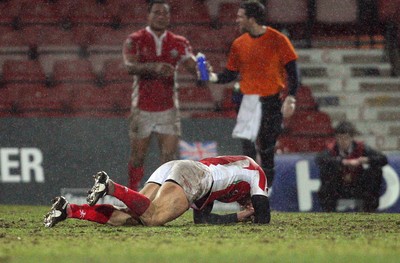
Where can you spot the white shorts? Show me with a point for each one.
(194, 177)
(143, 123)
(160, 175)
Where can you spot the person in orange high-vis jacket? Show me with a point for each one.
(265, 59)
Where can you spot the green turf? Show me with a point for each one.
(291, 237)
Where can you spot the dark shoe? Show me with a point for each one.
(99, 189)
(57, 213)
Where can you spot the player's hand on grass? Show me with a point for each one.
(245, 214)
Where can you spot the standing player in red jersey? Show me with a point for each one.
(171, 190)
(152, 55)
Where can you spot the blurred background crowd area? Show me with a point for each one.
(63, 59)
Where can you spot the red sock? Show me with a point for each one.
(135, 176)
(135, 201)
(97, 213)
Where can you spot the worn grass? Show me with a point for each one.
(291, 237)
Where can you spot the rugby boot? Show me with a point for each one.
(99, 188)
(57, 213)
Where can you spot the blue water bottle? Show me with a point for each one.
(202, 66)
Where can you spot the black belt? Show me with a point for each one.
(269, 98)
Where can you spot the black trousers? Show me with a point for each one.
(270, 129)
(365, 187)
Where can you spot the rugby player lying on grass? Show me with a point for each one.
(171, 190)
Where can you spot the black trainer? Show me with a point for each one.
(57, 213)
(99, 188)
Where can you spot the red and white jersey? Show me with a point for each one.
(234, 178)
(152, 93)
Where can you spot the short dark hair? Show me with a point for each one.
(346, 127)
(255, 10)
(152, 2)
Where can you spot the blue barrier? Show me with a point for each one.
(297, 182)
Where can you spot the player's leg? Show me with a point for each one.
(140, 127)
(170, 203)
(368, 188)
(168, 144)
(328, 193)
(150, 190)
(136, 161)
(168, 130)
(139, 205)
(270, 129)
(187, 181)
(102, 214)
(136, 202)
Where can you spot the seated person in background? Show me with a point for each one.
(349, 169)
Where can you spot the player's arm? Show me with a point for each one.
(289, 104)
(190, 65)
(374, 157)
(205, 216)
(262, 211)
(292, 77)
(225, 77)
(135, 67)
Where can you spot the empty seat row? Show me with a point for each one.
(35, 99)
(90, 36)
(39, 100)
(95, 12)
(63, 71)
(43, 35)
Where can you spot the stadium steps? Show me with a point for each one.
(356, 85)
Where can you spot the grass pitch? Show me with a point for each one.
(291, 237)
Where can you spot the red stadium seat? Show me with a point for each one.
(195, 98)
(23, 71)
(228, 12)
(38, 100)
(217, 60)
(115, 72)
(227, 103)
(189, 11)
(47, 35)
(9, 11)
(287, 12)
(41, 12)
(309, 123)
(205, 40)
(8, 100)
(111, 37)
(122, 96)
(305, 99)
(286, 144)
(294, 144)
(74, 71)
(332, 19)
(90, 100)
(291, 15)
(12, 40)
(130, 12)
(90, 12)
